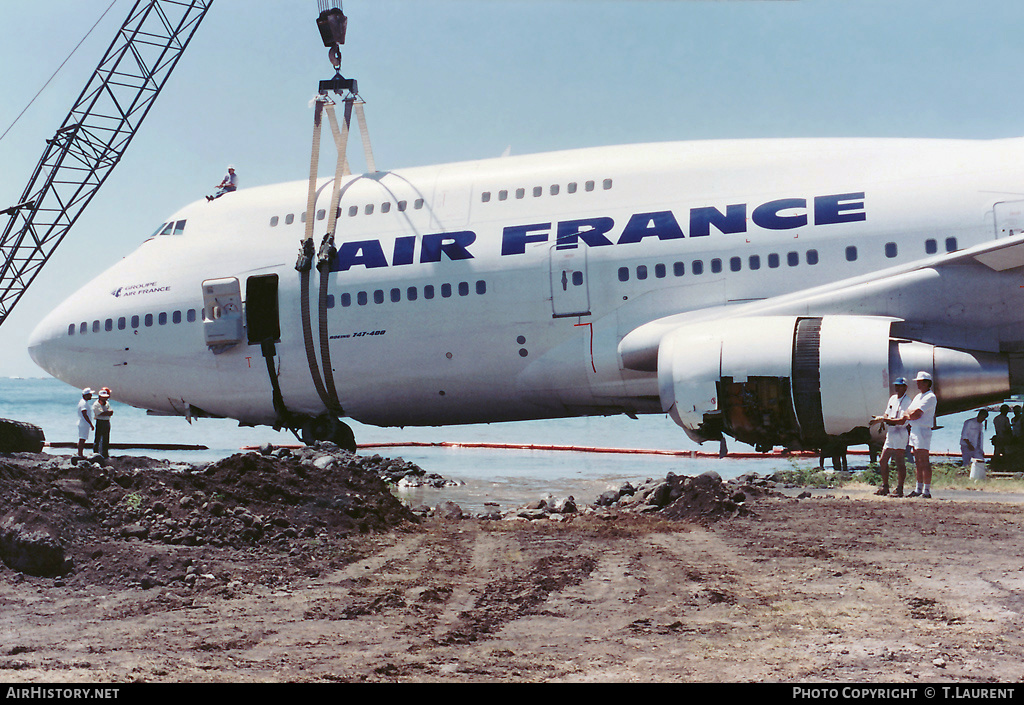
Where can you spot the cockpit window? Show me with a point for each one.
(171, 228)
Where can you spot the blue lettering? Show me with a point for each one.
(591, 231)
(515, 238)
(835, 209)
(405, 249)
(367, 253)
(452, 244)
(767, 214)
(662, 225)
(733, 221)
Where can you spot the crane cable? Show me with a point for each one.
(40, 92)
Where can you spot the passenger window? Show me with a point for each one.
(330, 301)
(697, 266)
(607, 184)
(346, 300)
(571, 188)
(851, 253)
(641, 272)
(411, 293)
(485, 197)
(378, 296)
(135, 321)
(122, 323)
(71, 329)
(361, 298)
(554, 189)
(659, 271)
(481, 286)
(538, 191)
(931, 246)
(716, 265)
(446, 290)
(274, 221)
(792, 259)
(755, 262)
(502, 195)
(353, 211)
(162, 319)
(149, 319)
(735, 264)
(520, 192)
(83, 328)
(385, 207)
(108, 325)
(463, 288)
(428, 291)
(369, 209)
(321, 214)
(577, 280)
(678, 269)
(402, 206)
(396, 295)
(773, 260)
(289, 219)
(176, 317)
(623, 274)
(812, 256)
(191, 315)
(891, 250)
(589, 186)
(95, 326)
(418, 204)
(950, 244)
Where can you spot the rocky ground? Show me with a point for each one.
(301, 566)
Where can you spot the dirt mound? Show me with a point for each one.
(140, 521)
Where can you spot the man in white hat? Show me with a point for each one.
(921, 415)
(84, 420)
(228, 184)
(897, 433)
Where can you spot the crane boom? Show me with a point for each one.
(93, 137)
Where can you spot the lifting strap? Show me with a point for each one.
(306, 253)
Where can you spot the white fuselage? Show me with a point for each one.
(500, 289)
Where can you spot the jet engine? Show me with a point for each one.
(796, 381)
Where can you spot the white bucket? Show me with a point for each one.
(977, 469)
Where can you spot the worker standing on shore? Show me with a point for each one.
(102, 412)
(972, 438)
(921, 415)
(896, 436)
(84, 420)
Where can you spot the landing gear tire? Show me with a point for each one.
(328, 428)
(20, 437)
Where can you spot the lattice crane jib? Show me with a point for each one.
(93, 137)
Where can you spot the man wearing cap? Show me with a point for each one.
(921, 415)
(896, 436)
(84, 420)
(102, 412)
(228, 184)
(972, 436)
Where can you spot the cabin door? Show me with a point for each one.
(570, 295)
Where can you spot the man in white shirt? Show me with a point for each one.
(921, 415)
(896, 437)
(84, 420)
(972, 438)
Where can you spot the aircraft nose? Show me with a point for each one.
(47, 346)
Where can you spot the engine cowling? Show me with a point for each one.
(799, 381)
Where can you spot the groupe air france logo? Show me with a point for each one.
(137, 289)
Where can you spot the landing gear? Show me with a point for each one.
(328, 428)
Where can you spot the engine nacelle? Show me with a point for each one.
(796, 381)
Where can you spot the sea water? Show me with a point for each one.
(502, 476)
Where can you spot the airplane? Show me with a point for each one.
(769, 290)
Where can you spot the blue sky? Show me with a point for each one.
(448, 80)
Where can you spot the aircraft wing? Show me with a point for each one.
(833, 350)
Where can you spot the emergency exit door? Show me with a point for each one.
(570, 295)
